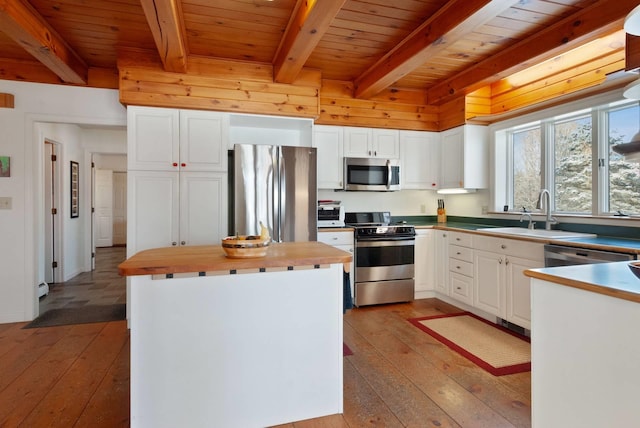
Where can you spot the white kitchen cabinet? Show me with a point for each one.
(441, 241)
(161, 139)
(420, 154)
(329, 144)
(371, 143)
(342, 240)
(424, 274)
(500, 286)
(465, 155)
(460, 253)
(171, 208)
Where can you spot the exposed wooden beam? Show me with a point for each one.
(452, 22)
(596, 20)
(306, 27)
(24, 25)
(165, 20)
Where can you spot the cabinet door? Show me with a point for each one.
(452, 159)
(357, 142)
(328, 141)
(518, 291)
(420, 153)
(152, 210)
(152, 138)
(203, 208)
(489, 282)
(442, 261)
(424, 261)
(385, 143)
(203, 136)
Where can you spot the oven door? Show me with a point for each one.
(383, 260)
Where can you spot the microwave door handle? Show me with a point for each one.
(388, 174)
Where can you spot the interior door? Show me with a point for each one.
(49, 213)
(104, 208)
(119, 208)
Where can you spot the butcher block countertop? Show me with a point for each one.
(211, 258)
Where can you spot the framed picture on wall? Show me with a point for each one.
(5, 166)
(75, 190)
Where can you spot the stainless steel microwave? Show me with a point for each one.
(371, 174)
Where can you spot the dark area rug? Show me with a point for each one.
(80, 315)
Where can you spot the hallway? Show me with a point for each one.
(102, 286)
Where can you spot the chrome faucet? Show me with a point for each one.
(532, 224)
(544, 204)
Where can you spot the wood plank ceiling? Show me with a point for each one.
(442, 48)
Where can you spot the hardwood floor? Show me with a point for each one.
(398, 376)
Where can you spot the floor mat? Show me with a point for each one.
(80, 315)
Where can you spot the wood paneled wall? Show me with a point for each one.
(221, 85)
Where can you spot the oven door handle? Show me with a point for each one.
(386, 242)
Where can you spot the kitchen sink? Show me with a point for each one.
(537, 233)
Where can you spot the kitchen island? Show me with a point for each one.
(585, 346)
(235, 342)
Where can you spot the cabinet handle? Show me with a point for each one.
(183, 164)
(433, 184)
(375, 153)
(183, 243)
(444, 235)
(457, 267)
(175, 164)
(506, 261)
(174, 243)
(504, 247)
(500, 260)
(458, 253)
(458, 288)
(457, 239)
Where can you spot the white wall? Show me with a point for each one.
(116, 163)
(22, 138)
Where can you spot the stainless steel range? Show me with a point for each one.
(384, 259)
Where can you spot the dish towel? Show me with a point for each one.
(347, 301)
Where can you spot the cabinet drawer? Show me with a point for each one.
(461, 253)
(510, 247)
(462, 239)
(336, 238)
(461, 287)
(461, 267)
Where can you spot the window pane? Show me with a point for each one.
(573, 158)
(624, 177)
(526, 168)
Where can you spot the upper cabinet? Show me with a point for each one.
(371, 143)
(464, 153)
(329, 143)
(420, 159)
(172, 140)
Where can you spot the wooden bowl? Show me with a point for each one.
(238, 247)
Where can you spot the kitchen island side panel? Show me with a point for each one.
(585, 351)
(243, 350)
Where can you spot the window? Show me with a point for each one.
(623, 182)
(571, 155)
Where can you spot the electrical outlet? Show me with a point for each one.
(5, 203)
(423, 208)
(485, 209)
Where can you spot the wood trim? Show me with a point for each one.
(7, 101)
(25, 26)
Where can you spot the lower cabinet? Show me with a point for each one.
(424, 275)
(460, 251)
(175, 208)
(342, 240)
(501, 288)
(441, 241)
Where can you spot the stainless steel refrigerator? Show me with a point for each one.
(275, 185)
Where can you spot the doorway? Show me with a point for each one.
(52, 225)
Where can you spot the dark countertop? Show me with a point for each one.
(612, 279)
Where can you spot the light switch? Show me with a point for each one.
(5, 203)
